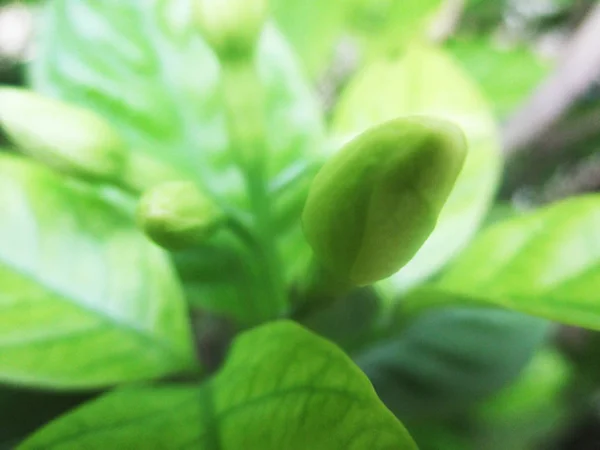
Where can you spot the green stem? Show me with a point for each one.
(244, 101)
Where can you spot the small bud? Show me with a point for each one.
(68, 138)
(373, 205)
(231, 27)
(176, 215)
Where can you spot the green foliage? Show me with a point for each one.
(520, 264)
(86, 300)
(312, 27)
(412, 86)
(507, 76)
(281, 388)
(247, 135)
(446, 359)
(190, 124)
(386, 27)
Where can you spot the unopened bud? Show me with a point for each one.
(69, 138)
(231, 27)
(373, 205)
(177, 215)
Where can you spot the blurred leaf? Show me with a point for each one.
(146, 68)
(385, 27)
(85, 299)
(350, 322)
(413, 86)
(281, 388)
(546, 263)
(507, 76)
(531, 410)
(446, 359)
(312, 27)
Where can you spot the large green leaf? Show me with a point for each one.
(546, 263)
(415, 85)
(145, 67)
(282, 387)
(448, 358)
(85, 299)
(506, 75)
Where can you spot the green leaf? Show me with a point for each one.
(312, 27)
(448, 358)
(534, 409)
(546, 263)
(385, 27)
(85, 299)
(506, 75)
(145, 67)
(281, 388)
(410, 86)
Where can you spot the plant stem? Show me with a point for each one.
(244, 100)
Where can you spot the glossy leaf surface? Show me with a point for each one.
(546, 263)
(281, 388)
(85, 299)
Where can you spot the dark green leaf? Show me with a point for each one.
(413, 86)
(281, 388)
(448, 358)
(85, 299)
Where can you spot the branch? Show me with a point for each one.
(578, 70)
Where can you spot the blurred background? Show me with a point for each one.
(538, 62)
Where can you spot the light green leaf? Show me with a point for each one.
(448, 358)
(145, 67)
(312, 27)
(414, 85)
(385, 27)
(85, 299)
(546, 263)
(506, 75)
(282, 387)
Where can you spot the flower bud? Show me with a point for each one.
(176, 215)
(231, 27)
(373, 205)
(68, 138)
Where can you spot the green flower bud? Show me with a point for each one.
(176, 215)
(373, 205)
(231, 27)
(68, 138)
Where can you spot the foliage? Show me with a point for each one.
(195, 252)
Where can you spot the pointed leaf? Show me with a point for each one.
(85, 299)
(448, 358)
(282, 387)
(546, 263)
